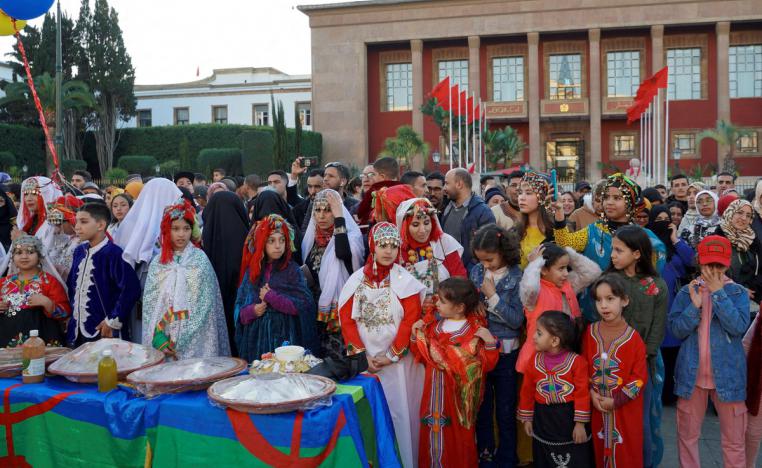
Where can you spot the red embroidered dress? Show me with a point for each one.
(618, 371)
(20, 318)
(456, 364)
(564, 383)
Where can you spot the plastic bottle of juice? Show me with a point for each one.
(33, 357)
(106, 372)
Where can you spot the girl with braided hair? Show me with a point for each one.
(183, 315)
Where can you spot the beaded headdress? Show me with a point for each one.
(386, 234)
(629, 188)
(26, 240)
(65, 209)
(30, 187)
(421, 209)
(321, 201)
(540, 184)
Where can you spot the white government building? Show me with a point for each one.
(228, 96)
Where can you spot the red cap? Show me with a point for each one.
(714, 249)
(725, 201)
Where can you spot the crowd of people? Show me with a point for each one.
(508, 322)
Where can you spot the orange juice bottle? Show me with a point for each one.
(107, 372)
(33, 358)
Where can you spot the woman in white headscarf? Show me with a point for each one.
(685, 229)
(36, 194)
(138, 234)
(708, 220)
(428, 253)
(332, 249)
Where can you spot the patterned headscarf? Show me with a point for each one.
(65, 209)
(381, 234)
(629, 188)
(540, 184)
(181, 210)
(741, 240)
(254, 245)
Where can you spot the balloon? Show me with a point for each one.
(6, 25)
(25, 9)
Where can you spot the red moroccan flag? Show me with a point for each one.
(440, 90)
(646, 92)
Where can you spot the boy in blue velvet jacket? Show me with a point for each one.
(103, 288)
(711, 315)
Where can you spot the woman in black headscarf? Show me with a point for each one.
(8, 214)
(269, 202)
(225, 229)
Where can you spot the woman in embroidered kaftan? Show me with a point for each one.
(183, 314)
(333, 249)
(377, 308)
(31, 299)
(429, 254)
(274, 304)
(63, 217)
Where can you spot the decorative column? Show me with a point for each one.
(594, 39)
(416, 49)
(723, 83)
(535, 149)
(474, 66)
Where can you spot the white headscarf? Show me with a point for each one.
(50, 192)
(712, 219)
(333, 273)
(139, 231)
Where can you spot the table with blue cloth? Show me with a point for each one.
(66, 424)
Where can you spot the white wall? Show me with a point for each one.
(240, 107)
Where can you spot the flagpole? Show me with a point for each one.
(473, 135)
(449, 111)
(466, 129)
(460, 139)
(647, 125)
(643, 160)
(666, 134)
(658, 131)
(483, 125)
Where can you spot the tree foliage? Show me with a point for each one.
(280, 141)
(104, 63)
(405, 145)
(502, 146)
(726, 135)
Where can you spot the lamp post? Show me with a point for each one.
(436, 158)
(157, 169)
(24, 169)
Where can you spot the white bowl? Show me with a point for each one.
(289, 353)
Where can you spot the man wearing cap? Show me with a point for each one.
(91, 188)
(711, 315)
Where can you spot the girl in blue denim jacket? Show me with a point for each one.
(711, 315)
(497, 275)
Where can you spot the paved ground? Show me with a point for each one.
(711, 453)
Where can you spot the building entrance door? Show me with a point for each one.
(566, 154)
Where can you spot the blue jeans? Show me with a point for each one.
(500, 398)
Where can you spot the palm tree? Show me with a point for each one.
(503, 145)
(726, 135)
(405, 145)
(76, 96)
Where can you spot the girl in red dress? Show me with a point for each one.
(457, 351)
(555, 404)
(616, 359)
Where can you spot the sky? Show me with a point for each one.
(168, 39)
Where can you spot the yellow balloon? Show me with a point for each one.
(6, 25)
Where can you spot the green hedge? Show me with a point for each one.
(68, 166)
(144, 165)
(7, 161)
(226, 158)
(26, 144)
(257, 149)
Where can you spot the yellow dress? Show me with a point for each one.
(531, 240)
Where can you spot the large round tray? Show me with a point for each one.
(81, 365)
(271, 393)
(11, 363)
(185, 375)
